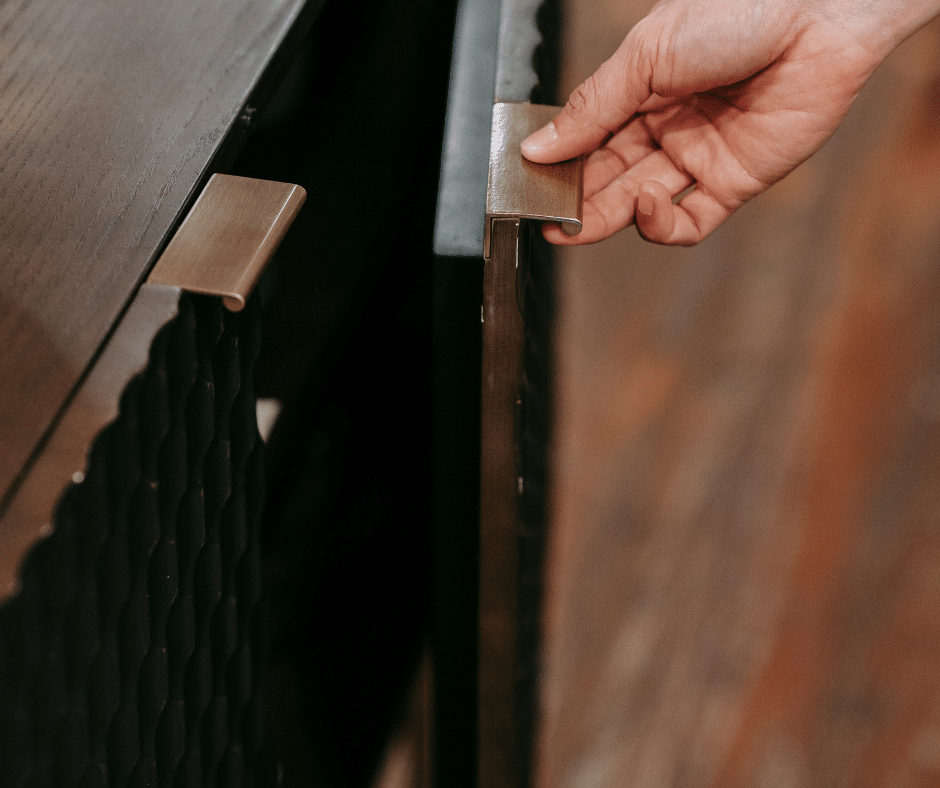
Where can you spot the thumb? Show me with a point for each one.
(598, 107)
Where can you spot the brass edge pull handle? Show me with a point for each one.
(520, 189)
(227, 239)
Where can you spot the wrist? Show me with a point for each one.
(877, 25)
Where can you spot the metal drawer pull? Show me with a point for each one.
(228, 237)
(520, 189)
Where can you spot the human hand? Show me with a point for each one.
(727, 96)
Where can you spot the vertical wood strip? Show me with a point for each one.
(499, 764)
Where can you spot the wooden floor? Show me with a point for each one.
(744, 576)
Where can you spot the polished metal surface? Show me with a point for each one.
(518, 188)
(228, 237)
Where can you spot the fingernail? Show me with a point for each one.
(543, 138)
(645, 203)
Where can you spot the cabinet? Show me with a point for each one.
(159, 563)
(114, 116)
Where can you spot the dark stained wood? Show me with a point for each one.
(499, 758)
(95, 405)
(744, 575)
(112, 114)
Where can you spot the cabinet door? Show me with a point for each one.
(133, 633)
(488, 200)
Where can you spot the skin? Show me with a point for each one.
(728, 96)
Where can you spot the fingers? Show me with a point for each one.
(655, 217)
(597, 108)
(638, 171)
(623, 151)
(657, 220)
(696, 216)
(610, 203)
(594, 228)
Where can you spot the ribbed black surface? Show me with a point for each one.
(131, 655)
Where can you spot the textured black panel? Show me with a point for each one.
(131, 654)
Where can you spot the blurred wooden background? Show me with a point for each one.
(744, 575)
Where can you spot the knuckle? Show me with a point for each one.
(583, 101)
(626, 190)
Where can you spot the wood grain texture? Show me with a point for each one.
(95, 405)
(744, 582)
(499, 757)
(110, 115)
